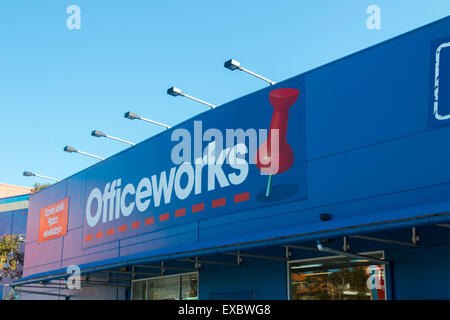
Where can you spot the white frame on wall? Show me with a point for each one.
(436, 83)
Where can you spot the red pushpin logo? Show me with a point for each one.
(275, 155)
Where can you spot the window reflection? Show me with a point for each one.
(189, 286)
(337, 279)
(166, 288)
(139, 289)
(176, 287)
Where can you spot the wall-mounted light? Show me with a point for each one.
(173, 91)
(235, 65)
(132, 116)
(100, 134)
(31, 174)
(73, 150)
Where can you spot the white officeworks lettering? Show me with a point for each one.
(115, 202)
(188, 170)
(95, 194)
(163, 186)
(236, 160)
(215, 167)
(126, 210)
(111, 196)
(143, 191)
(119, 182)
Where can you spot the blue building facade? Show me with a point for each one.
(13, 221)
(359, 192)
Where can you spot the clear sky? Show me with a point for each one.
(57, 84)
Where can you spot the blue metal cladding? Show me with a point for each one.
(364, 152)
(431, 263)
(19, 221)
(440, 82)
(6, 219)
(263, 282)
(12, 222)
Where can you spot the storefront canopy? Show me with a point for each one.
(427, 215)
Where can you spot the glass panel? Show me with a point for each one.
(338, 279)
(189, 285)
(166, 288)
(139, 289)
(151, 290)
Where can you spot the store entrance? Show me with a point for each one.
(173, 287)
(337, 278)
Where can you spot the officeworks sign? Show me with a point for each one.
(160, 188)
(245, 154)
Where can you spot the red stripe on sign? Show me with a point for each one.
(218, 202)
(242, 197)
(149, 221)
(198, 207)
(164, 217)
(123, 228)
(110, 232)
(99, 235)
(88, 237)
(135, 225)
(180, 212)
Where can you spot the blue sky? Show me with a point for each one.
(57, 85)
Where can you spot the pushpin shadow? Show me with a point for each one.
(278, 193)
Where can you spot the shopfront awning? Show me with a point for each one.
(430, 214)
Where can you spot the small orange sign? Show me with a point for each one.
(53, 220)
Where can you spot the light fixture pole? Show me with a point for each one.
(131, 115)
(31, 174)
(174, 91)
(100, 134)
(233, 65)
(72, 149)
